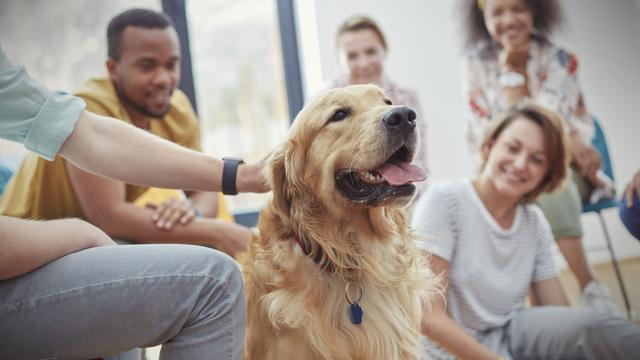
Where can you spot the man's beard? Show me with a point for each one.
(140, 108)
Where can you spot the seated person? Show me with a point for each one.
(630, 206)
(65, 291)
(492, 246)
(143, 66)
(510, 58)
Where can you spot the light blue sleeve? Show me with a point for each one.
(433, 222)
(32, 114)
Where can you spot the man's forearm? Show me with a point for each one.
(26, 245)
(112, 148)
(206, 203)
(133, 223)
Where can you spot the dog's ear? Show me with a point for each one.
(284, 174)
(276, 175)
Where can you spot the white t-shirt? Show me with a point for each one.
(490, 268)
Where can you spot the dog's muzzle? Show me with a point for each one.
(401, 120)
(394, 176)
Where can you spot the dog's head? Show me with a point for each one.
(349, 149)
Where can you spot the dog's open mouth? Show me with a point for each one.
(391, 179)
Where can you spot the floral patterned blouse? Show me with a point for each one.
(552, 81)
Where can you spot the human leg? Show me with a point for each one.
(562, 210)
(107, 300)
(556, 332)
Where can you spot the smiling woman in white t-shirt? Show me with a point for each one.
(492, 247)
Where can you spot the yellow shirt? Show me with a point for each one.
(42, 190)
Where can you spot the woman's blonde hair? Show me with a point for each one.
(360, 22)
(556, 144)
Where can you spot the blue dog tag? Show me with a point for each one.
(355, 313)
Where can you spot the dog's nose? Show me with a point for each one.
(400, 118)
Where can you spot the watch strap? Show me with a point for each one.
(229, 174)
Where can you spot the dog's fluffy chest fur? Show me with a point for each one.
(296, 310)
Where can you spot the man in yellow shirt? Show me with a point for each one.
(144, 70)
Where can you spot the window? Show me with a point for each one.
(239, 80)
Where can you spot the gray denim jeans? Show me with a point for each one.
(104, 301)
(557, 332)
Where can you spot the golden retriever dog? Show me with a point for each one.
(332, 272)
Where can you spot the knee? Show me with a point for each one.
(225, 269)
(220, 266)
(601, 337)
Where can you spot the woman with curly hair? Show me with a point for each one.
(510, 59)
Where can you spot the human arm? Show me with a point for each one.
(206, 203)
(560, 91)
(441, 328)
(513, 60)
(26, 245)
(183, 210)
(549, 292)
(104, 204)
(546, 288)
(586, 158)
(49, 123)
(137, 157)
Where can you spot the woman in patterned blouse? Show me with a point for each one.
(362, 49)
(510, 59)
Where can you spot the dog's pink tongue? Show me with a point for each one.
(401, 173)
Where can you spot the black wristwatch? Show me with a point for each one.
(229, 174)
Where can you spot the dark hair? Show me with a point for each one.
(547, 16)
(556, 144)
(143, 18)
(359, 22)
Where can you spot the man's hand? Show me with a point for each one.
(633, 188)
(586, 159)
(172, 212)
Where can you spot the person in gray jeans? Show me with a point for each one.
(66, 290)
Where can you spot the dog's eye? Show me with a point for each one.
(340, 114)
(387, 101)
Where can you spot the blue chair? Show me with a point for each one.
(600, 143)
(5, 175)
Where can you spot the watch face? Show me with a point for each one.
(511, 79)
